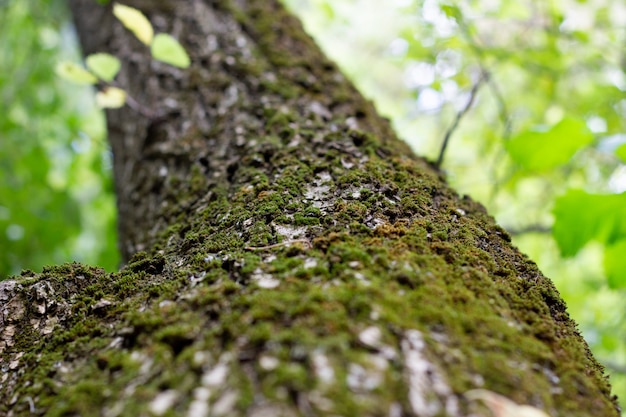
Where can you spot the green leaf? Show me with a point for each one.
(615, 264)
(74, 73)
(167, 49)
(135, 21)
(111, 98)
(539, 151)
(105, 66)
(452, 11)
(581, 217)
(621, 152)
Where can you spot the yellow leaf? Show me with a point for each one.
(111, 98)
(72, 72)
(135, 21)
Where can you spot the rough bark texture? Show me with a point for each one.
(289, 256)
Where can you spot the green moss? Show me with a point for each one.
(300, 219)
(281, 88)
(141, 261)
(279, 118)
(388, 250)
(82, 398)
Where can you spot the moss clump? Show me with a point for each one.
(141, 261)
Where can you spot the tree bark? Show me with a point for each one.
(286, 254)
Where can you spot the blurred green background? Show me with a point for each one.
(530, 93)
(56, 196)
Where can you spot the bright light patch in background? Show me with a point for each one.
(596, 124)
(617, 182)
(82, 143)
(431, 13)
(450, 90)
(429, 100)
(15, 232)
(448, 63)
(398, 47)
(616, 77)
(577, 17)
(610, 143)
(419, 74)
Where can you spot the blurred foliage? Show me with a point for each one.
(543, 144)
(56, 200)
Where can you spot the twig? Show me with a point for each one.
(533, 228)
(615, 367)
(146, 112)
(505, 116)
(502, 107)
(139, 108)
(459, 116)
(277, 245)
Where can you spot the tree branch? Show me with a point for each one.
(533, 228)
(459, 116)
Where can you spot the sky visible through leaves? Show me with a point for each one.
(530, 95)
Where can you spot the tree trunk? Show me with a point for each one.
(287, 254)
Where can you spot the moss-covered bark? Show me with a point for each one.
(290, 256)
